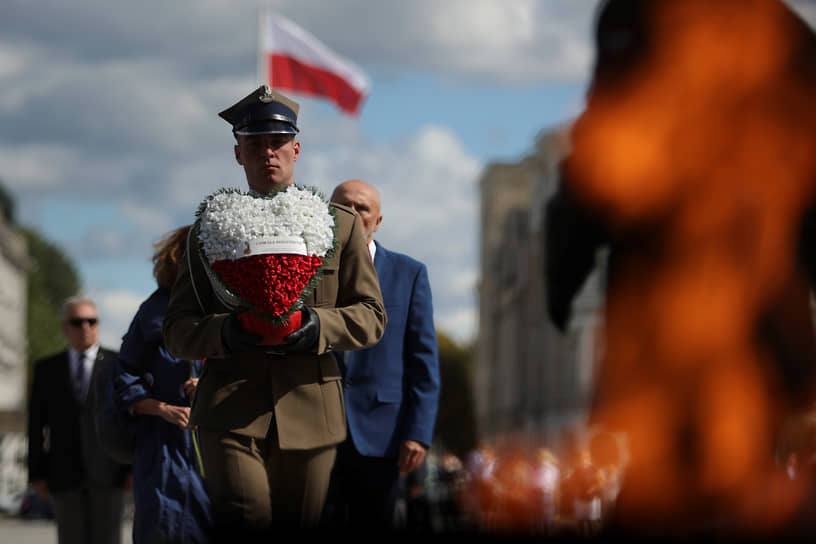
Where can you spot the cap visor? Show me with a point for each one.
(267, 127)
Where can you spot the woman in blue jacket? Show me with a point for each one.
(170, 499)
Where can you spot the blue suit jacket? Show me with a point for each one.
(392, 388)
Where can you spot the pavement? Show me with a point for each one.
(40, 531)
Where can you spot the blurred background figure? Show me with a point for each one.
(546, 481)
(450, 477)
(170, 500)
(512, 508)
(694, 162)
(587, 480)
(480, 464)
(481, 461)
(607, 452)
(581, 485)
(66, 462)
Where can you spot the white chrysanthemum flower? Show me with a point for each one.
(228, 221)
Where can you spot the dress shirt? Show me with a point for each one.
(372, 249)
(90, 357)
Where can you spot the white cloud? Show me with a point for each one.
(32, 169)
(510, 42)
(37, 167)
(147, 218)
(460, 281)
(11, 63)
(187, 182)
(116, 311)
(427, 183)
(503, 43)
(430, 202)
(518, 41)
(459, 325)
(16, 73)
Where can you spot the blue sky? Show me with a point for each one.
(109, 135)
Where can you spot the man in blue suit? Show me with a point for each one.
(391, 389)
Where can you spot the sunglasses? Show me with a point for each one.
(78, 321)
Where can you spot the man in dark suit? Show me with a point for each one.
(65, 459)
(391, 389)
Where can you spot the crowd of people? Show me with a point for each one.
(568, 488)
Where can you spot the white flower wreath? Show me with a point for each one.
(233, 224)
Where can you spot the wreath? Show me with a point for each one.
(265, 253)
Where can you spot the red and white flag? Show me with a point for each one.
(293, 59)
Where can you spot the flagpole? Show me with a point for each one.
(263, 76)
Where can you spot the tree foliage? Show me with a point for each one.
(456, 420)
(6, 204)
(51, 279)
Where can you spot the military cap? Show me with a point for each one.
(263, 111)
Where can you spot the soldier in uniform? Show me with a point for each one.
(269, 418)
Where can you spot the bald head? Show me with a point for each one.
(362, 198)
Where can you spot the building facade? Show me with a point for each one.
(532, 382)
(13, 354)
(13, 349)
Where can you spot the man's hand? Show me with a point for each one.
(411, 455)
(235, 338)
(304, 338)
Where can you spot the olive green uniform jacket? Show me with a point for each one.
(298, 395)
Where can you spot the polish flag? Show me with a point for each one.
(292, 59)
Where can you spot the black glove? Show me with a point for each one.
(304, 338)
(235, 338)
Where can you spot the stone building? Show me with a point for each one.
(531, 381)
(13, 355)
(13, 265)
